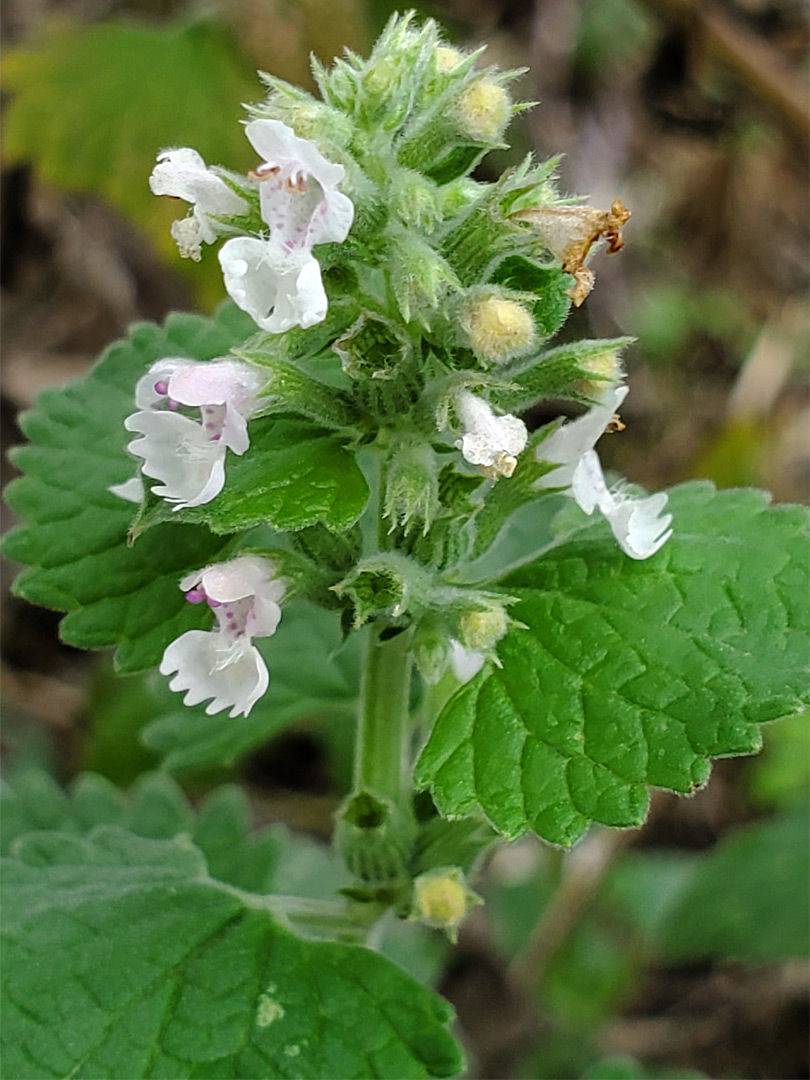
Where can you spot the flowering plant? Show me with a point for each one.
(337, 459)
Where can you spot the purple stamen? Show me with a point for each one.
(196, 596)
(161, 387)
(173, 405)
(215, 438)
(213, 603)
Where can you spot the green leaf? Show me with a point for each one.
(630, 674)
(747, 899)
(123, 958)
(260, 860)
(75, 538)
(294, 475)
(310, 674)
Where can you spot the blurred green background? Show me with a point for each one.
(619, 960)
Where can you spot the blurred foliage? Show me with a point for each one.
(125, 92)
(668, 316)
(780, 776)
(747, 899)
(627, 1068)
(611, 34)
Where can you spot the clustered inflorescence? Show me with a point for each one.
(406, 307)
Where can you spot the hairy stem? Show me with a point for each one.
(383, 732)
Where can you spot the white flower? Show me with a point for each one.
(298, 189)
(223, 664)
(489, 440)
(277, 290)
(637, 523)
(187, 456)
(278, 280)
(184, 175)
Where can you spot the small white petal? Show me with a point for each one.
(187, 233)
(243, 576)
(183, 174)
(638, 525)
(576, 437)
(146, 397)
(465, 662)
(280, 147)
(224, 382)
(176, 451)
(588, 483)
(298, 192)
(489, 440)
(278, 292)
(131, 490)
(210, 664)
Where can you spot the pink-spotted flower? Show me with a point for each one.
(223, 664)
(189, 415)
(277, 280)
(489, 440)
(636, 522)
(183, 174)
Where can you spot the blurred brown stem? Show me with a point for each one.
(583, 870)
(755, 63)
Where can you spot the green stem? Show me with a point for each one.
(383, 732)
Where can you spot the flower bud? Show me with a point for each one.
(417, 200)
(447, 59)
(482, 630)
(420, 276)
(483, 110)
(607, 368)
(497, 327)
(431, 648)
(442, 900)
(412, 486)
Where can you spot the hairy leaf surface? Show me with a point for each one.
(124, 958)
(630, 674)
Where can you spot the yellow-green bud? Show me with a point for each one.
(441, 899)
(382, 75)
(483, 110)
(498, 328)
(447, 59)
(481, 630)
(607, 368)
